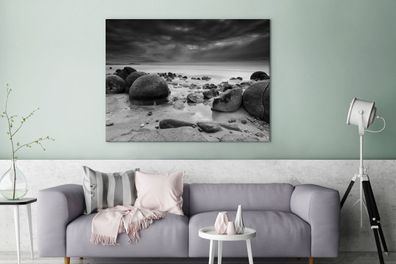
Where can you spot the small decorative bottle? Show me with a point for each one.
(231, 228)
(239, 226)
(221, 223)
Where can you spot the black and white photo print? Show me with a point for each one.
(202, 80)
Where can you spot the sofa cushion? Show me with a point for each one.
(160, 191)
(104, 190)
(167, 237)
(279, 234)
(226, 197)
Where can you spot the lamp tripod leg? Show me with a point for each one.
(348, 190)
(383, 242)
(373, 217)
(377, 217)
(378, 243)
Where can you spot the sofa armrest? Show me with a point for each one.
(320, 207)
(57, 207)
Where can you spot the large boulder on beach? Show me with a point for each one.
(149, 89)
(132, 78)
(225, 86)
(174, 123)
(120, 73)
(115, 84)
(256, 100)
(228, 101)
(123, 73)
(208, 94)
(259, 76)
(129, 70)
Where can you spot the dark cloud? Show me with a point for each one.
(186, 40)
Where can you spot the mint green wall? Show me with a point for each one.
(323, 54)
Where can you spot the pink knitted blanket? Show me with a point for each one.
(108, 223)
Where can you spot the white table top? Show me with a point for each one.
(210, 233)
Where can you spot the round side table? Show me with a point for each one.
(209, 233)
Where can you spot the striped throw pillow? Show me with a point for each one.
(105, 190)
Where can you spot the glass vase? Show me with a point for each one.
(13, 185)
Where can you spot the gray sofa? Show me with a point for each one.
(291, 221)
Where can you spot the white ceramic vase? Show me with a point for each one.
(239, 226)
(231, 228)
(221, 223)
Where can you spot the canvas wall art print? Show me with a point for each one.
(201, 80)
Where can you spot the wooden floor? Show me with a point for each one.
(345, 258)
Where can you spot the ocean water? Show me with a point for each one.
(217, 71)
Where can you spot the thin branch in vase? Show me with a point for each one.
(23, 120)
(11, 132)
(37, 141)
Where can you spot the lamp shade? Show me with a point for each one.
(361, 112)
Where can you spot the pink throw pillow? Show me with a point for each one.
(161, 192)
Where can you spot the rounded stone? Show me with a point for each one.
(208, 94)
(173, 123)
(123, 73)
(195, 98)
(256, 100)
(228, 101)
(149, 89)
(129, 70)
(259, 76)
(132, 78)
(115, 84)
(209, 127)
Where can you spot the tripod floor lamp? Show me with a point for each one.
(362, 114)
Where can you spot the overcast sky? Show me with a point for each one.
(186, 41)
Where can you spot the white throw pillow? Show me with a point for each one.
(160, 191)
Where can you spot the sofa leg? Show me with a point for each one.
(310, 260)
(66, 260)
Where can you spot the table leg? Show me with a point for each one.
(211, 252)
(219, 251)
(29, 215)
(16, 222)
(249, 251)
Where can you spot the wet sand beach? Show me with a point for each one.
(199, 107)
